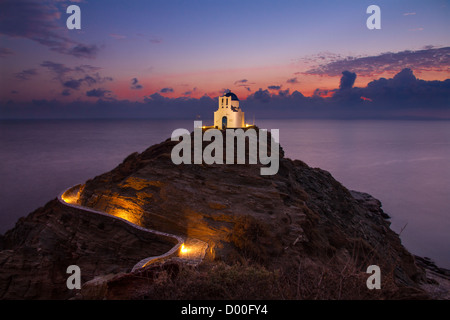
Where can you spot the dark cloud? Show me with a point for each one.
(59, 69)
(89, 80)
(65, 92)
(103, 107)
(403, 96)
(244, 83)
(347, 80)
(98, 93)
(292, 80)
(323, 92)
(103, 79)
(274, 87)
(74, 78)
(5, 52)
(39, 21)
(85, 68)
(135, 84)
(426, 59)
(404, 78)
(155, 97)
(83, 51)
(189, 92)
(73, 84)
(320, 58)
(166, 90)
(241, 81)
(262, 95)
(404, 90)
(26, 74)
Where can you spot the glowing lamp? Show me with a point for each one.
(183, 249)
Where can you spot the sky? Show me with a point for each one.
(134, 58)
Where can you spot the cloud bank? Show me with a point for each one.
(135, 85)
(401, 97)
(427, 59)
(166, 90)
(73, 78)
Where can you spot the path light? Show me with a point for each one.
(183, 249)
(71, 195)
(125, 215)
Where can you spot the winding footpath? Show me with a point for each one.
(200, 246)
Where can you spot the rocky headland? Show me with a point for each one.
(298, 234)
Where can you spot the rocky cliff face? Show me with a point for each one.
(37, 251)
(299, 217)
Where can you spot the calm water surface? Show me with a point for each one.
(405, 164)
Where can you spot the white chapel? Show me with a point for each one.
(229, 115)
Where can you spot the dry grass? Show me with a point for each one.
(254, 240)
(259, 270)
(217, 281)
(306, 280)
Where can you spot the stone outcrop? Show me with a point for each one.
(37, 251)
(304, 210)
(280, 221)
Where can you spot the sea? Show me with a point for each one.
(403, 163)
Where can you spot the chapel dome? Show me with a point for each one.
(232, 95)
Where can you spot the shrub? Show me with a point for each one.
(218, 281)
(254, 240)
